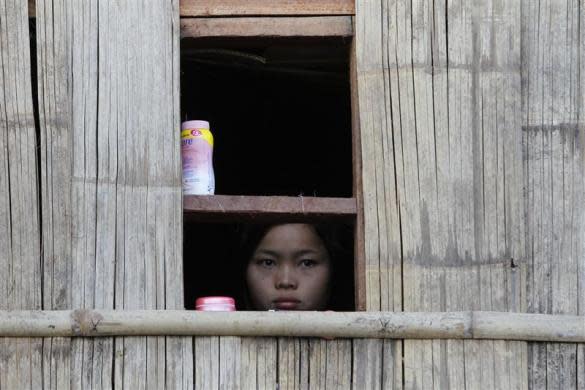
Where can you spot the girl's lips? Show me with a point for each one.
(286, 304)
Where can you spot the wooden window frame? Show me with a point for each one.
(266, 7)
(190, 8)
(216, 208)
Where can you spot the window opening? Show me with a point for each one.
(280, 113)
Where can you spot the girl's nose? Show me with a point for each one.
(285, 278)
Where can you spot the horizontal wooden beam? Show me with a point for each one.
(304, 26)
(475, 325)
(266, 7)
(227, 208)
(190, 8)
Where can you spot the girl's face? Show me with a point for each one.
(289, 270)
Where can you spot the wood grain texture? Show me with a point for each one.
(20, 247)
(553, 148)
(217, 208)
(359, 235)
(444, 81)
(235, 363)
(379, 277)
(111, 188)
(308, 26)
(266, 7)
(381, 218)
(314, 363)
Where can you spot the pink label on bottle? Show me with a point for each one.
(198, 176)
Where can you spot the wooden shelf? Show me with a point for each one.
(227, 208)
(266, 7)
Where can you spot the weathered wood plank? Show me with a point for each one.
(206, 362)
(486, 101)
(53, 63)
(381, 219)
(359, 237)
(111, 194)
(368, 364)
(314, 363)
(229, 362)
(307, 26)
(449, 99)
(20, 285)
(264, 7)
(266, 208)
(258, 364)
(553, 142)
(292, 356)
(20, 280)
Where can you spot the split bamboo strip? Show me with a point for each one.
(475, 325)
(20, 246)
(554, 179)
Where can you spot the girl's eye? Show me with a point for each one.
(266, 263)
(308, 263)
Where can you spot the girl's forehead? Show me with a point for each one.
(293, 235)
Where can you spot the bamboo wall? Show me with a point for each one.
(471, 118)
(472, 136)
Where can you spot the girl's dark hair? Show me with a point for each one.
(251, 235)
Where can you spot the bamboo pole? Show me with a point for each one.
(448, 325)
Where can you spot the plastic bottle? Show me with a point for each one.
(197, 155)
(215, 304)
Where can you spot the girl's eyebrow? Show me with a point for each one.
(300, 252)
(303, 252)
(266, 252)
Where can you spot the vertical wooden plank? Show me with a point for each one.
(206, 362)
(360, 282)
(381, 219)
(445, 77)
(369, 366)
(258, 367)
(376, 361)
(20, 268)
(580, 367)
(317, 363)
(229, 363)
(249, 363)
(19, 209)
(553, 125)
(111, 181)
(314, 363)
(235, 363)
(290, 360)
(339, 357)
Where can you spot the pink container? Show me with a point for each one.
(197, 156)
(215, 304)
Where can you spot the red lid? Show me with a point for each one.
(215, 304)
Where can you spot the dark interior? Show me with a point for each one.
(212, 265)
(279, 111)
